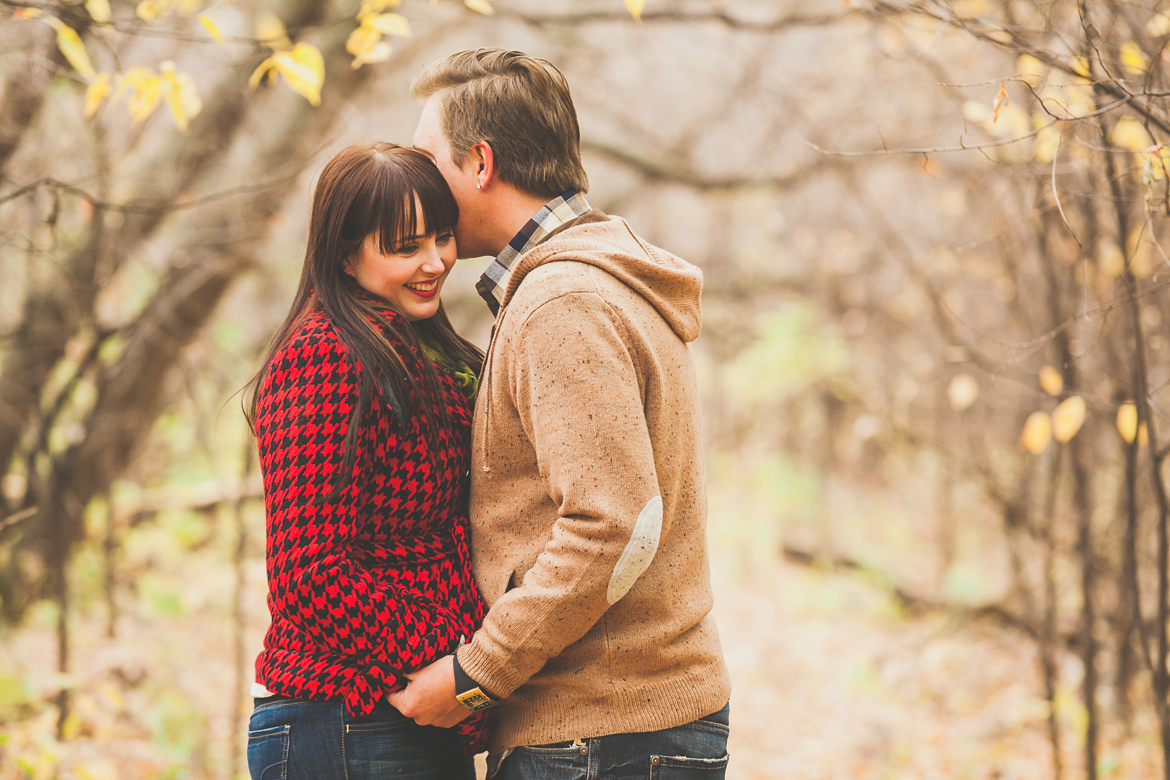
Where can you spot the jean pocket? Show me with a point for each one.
(269, 703)
(379, 727)
(686, 768)
(710, 726)
(717, 721)
(383, 718)
(396, 747)
(268, 753)
(564, 761)
(555, 750)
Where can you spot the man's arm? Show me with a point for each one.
(577, 391)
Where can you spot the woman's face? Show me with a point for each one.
(412, 276)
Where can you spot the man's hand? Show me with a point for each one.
(429, 698)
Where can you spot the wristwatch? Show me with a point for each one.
(468, 692)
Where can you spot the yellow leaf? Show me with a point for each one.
(1008, 122)
(1080, 66)
(147, 10)
(182, 96)
(270, 32)
(1133, 60)
(1142, 253)
(211, 27)
(187, 8)
(962, 392)
(374, 7)
(1158, 25)
(98, 10)
(1129, 133)
(1070, 101)
(480, 6)
(1127, 421)
(1037, 432)
(96, 93)
(1068, 418)
(28, 13)
(69, 42)
(636, 7)
(263, 69)
(303, 70)
(362, 41)
(1047, 140)
(147, 89)
(1051, 380)
(1110, 260)
(380, 53)
(389, 24)
(1001, 100)
(1154, 163)
(131, 79)
(1031, 69)
(145, 99)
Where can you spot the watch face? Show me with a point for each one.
(475, 700)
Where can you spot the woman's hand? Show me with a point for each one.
(429, 697)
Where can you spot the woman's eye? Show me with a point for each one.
(406, 249)
(445, 237)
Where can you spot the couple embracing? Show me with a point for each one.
(468, 552)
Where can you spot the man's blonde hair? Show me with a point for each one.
(520, 105)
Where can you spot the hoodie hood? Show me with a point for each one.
(669, 283)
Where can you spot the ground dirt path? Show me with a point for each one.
(833, 682)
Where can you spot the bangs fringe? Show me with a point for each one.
(392, 218)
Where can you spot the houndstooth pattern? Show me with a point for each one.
(377, 581)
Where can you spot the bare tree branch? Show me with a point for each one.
(722, 18)
(678, 173)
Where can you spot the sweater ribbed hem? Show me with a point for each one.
(574, 714)
(492, 677)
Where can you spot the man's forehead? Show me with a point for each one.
(427, 130)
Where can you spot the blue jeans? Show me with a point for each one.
(694, 751)
(290, 739)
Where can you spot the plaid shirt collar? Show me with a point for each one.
(561, 209)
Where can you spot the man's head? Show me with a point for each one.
(518, 104)
(492, 115)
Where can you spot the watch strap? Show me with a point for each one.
(468, 692)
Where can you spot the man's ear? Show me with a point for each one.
(483, 158)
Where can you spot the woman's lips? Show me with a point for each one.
(424, 289)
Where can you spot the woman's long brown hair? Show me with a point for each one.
(371, 189)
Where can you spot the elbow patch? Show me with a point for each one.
(639, 551)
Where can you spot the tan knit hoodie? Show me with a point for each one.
(588, 509)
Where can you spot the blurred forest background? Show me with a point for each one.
(934, 361)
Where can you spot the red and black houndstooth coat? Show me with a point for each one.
(376, 581)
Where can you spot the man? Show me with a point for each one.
(588, 510)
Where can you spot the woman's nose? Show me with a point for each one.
(433, 263)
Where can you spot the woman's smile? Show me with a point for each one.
(396, 278)
(425, 289)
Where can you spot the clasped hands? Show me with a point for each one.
(429, 698)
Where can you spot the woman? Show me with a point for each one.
(362, 412)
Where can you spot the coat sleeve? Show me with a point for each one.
(579, 398)
(316, 579)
